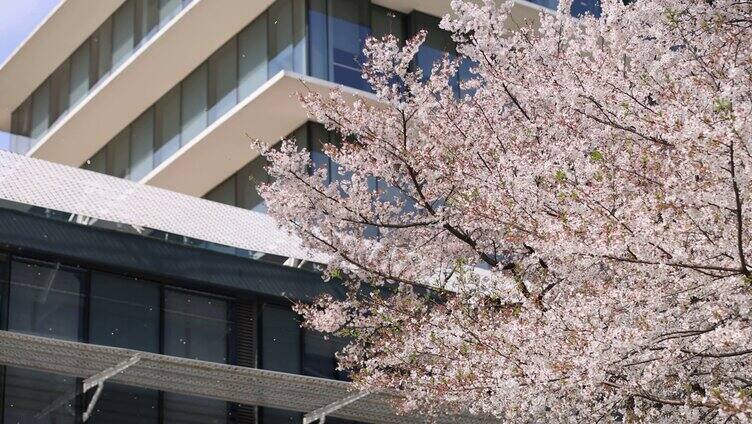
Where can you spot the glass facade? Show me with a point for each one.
(88, 305)
(117, 39)
(196, 326)
(273, 42)
(46, 300)
(338, 30)
(322, 38)
(579, 7)
(124, 312)
(28, 393)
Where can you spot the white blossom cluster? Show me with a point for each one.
(582, 217)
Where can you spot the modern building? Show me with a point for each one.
(140, 280)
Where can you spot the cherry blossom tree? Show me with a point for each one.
(582, 217)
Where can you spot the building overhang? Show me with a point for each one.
(191, 377)
(87, 197)
(155, 68)
(56, 38)
(270, 113)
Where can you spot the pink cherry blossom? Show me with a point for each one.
(582, 218)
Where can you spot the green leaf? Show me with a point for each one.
(722, 106)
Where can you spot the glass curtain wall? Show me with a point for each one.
(273, 42)
(57, 301)
(116, 40)
(579, 7)
(338, 30)
(80, 304)
(322, 38)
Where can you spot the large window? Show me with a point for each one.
(280, 339)
(142, 146)
(118, 154)
(59, 91)
(79, 74)
(147, 20)
(437, 44)
(349, 26)
(386, 21)
(29, 393)
(193, 103)
(196, 326)
(223, 75)
(121, 404)
(167, 125)
(123, 32)
(21, 128)
(337, 31)
(280, 351)
(46, 300)
(40, 110)
(101, 52)
(252, 57)
(181, 409)
(286, 347)
(319, 357)
(124, 312)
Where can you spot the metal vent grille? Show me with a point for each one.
(245, 324)
(92, 195)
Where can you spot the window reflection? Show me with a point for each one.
(45, 300)
(196, 326)
(121, 404)
(348, 28)
(29, 393)
(48, 299)
(280, 339)
(124, 312)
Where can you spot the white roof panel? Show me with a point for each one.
(77, 191)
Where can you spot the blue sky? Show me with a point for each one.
(18, 18)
